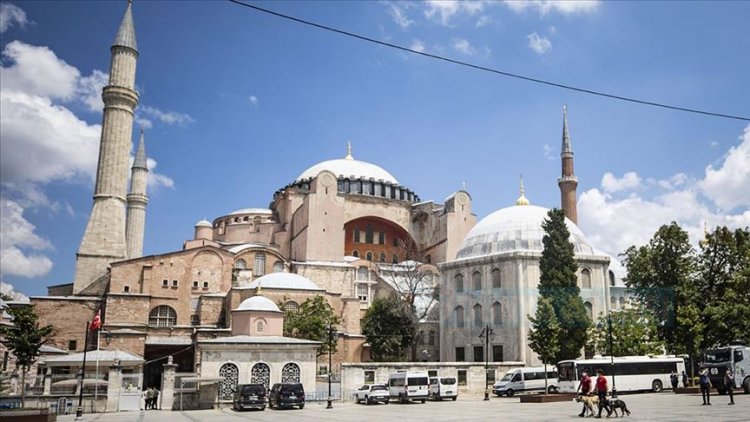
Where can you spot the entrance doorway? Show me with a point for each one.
(157, 356)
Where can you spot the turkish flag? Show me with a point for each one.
(97, 322)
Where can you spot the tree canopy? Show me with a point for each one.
(389, 327)
(634, 333)
(311, 322)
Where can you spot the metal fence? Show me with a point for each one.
(64, 384)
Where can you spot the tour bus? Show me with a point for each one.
(632, 373)
(735, 356)
(406, 385)
(518, 380)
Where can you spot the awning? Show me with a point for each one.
(168, 341)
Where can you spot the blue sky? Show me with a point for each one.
(236, 104)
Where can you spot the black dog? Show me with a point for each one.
(618, 404)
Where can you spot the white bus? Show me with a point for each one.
(632, 373)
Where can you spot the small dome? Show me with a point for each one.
(258, 303)
(345, 167)
(289, 281)
(517, 228)
(203, 223)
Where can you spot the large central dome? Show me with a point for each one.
(516, 228)
(349, 167)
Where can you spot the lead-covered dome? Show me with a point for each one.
(516, 228)
(351, 168)
(258, 303)
(281, 280)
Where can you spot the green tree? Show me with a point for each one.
(544, 335)
(634, 332)
(389, 327)
(558, 283)
(661, 276)
(311, 322)
(24, 339)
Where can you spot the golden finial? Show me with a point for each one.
(348, 151)
(257, 290)
(522, 199)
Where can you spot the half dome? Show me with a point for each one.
(347, 167)
(281, 280)
(516, 228)
(258, 303)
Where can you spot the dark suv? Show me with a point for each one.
(286, 395)
(250, 396)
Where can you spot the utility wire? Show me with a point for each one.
(487, 69)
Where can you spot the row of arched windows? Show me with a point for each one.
(476, 281)
(373, 188)
(613, 302)
(259, 266)
(259, 374)
(497, 315)
(371, 257)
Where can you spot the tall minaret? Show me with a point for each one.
(137, 200)
(568, 182)
(104, 239)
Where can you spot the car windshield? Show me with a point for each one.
(717, 356)
(291, 389)
(378, 387)
(447, 381)
(253, 389)
(507, 377)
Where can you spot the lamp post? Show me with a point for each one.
(332, 336)
(487, 334)
(611, 355)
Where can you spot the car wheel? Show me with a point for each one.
(746, 385)
(423, 400)
(386, 401)
(263, 408)
(510, 392)
(551, 389)
(302, 406)
(454, 398)
(438, 398)
(656, 386)
(368, 401)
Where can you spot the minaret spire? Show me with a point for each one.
(104, 240)
(135, 226)
(348, 151)
(568, 181)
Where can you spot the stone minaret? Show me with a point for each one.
(137, 200)
(104, 239)
(568, 182)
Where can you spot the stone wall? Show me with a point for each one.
(69, 316)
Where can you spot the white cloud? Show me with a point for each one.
(713, 144)
(463, 46)
(616, 217)
(11, 15)
(483, 21)
(166, 117)
(417, 45)
(155, 180)
(567, 7)
(539, 44)
(728, 185)
(16, 238)
(8, 290)
(441, 11)
(549, 152)
(629, 181)
(37, 71)
(254, 100)
(398, 13)
(143, 122)
(90, 90)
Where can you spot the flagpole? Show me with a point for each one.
(79, 410)
(96, 385)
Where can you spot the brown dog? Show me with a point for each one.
(589, 402)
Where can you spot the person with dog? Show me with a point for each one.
(729, 385)
(585, 387)
(673, 379)
(705, 383)
(601, 392)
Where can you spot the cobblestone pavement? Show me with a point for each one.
(644, 407)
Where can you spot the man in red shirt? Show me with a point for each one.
(601, 392)
(585, 387)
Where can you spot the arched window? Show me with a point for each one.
(369, 256)
(256, 223)
(260, 374)
(589, 310)
(278, 267)
(497, 314)
(611, 278)
(458, 282)
(613, 302)
(458, 315)
(476, 280)
(290, 373)
(259, 268)
(291, 306)
(246, 218)
(368, 234)
(395, 259)
(162, 316)
(431, 338)
(260, 326)
(496, 282)
(362, 273)
(585, 279)
(228, 385)
(382, 257)
(477, 315)
(240, 264)
(622, 302)
(355, 253)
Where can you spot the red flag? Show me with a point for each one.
(97, 322)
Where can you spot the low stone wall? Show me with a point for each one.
(353, 375)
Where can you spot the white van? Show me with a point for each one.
(406, 386)
(443, 388)
(526, 379)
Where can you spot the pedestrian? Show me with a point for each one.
(585, 387)
(674, 380)
(705, 383)
(729, 385)
(684, 379)
(155, 403)
(149, 397)
(601, 392)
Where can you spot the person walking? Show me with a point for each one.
(705, 383)
(729, 385)
(601, 392)
(684, 379)
(585, 387)
(155, 402)
(149, 398)
(673, 379)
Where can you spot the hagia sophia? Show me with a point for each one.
(340, 229)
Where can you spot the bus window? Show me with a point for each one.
(567, 372)
(738, 356)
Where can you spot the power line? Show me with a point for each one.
(487, 69)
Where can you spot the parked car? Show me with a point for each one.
(372, 393)
(286, 395)
(250, 396)
(406, 386)
(525, 380)
(443, 388)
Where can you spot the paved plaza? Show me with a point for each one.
(644, 407)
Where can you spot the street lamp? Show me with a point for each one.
(333, 335)
(611, 354)
(487, 334)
